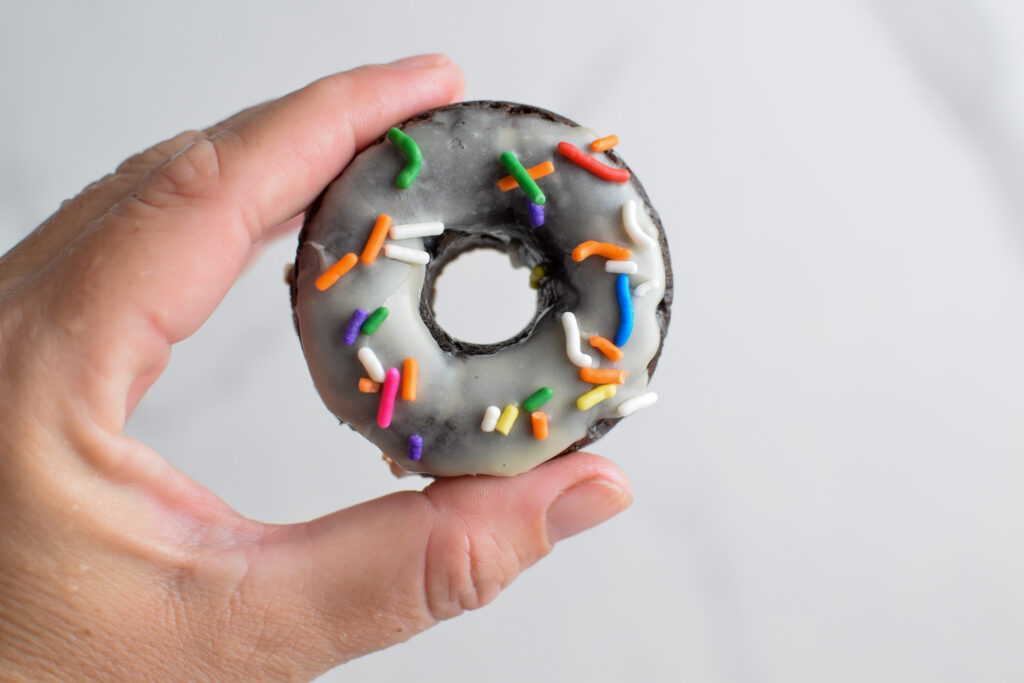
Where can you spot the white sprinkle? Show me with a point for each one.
(572, 341)
(417, 257)
(491, 416)
(410, 230)
(645, 288)
(372, 364)
(632, 226)
(627, 267)
(627, 408)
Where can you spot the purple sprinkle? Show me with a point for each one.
(536, 214)
(415, 447)
(354, 324)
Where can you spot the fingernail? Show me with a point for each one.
(419, 62)
(585, 505)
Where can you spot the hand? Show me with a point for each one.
(113, 564)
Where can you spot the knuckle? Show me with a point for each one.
(472, 564)
(138, 164)
(192, 173)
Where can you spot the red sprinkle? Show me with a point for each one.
(602, 171)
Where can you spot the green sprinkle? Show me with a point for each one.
(528, 185)
(536, 275)
(374, 321)
(412, 151)
(537, 399)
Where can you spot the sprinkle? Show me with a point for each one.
(572, 341)
(538, 171)
(537, 399)
(416, 257)
(352, 328)
(491, 416)
(387, 398)
(601, 144)
(415, 447)
(368, 386)
(536, 275)
(410, 379)
(540, 425)
(411, 230)
(536, 213)
(371, 364)
(632, 226)
(609, 376)
(645, 288)
(374, 321)
(625, 310)
(523, 178)
(376, 239)
(628, 267)
(591, 248)
(602, 171)
(627, 408)
(595, 396)
(607, 348)
(332, 274)
(412, 152)
(507, 419)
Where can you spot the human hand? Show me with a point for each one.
(113, 564)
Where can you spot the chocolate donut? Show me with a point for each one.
(482, 175)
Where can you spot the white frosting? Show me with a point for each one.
(458, 185)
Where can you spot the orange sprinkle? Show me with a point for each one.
(609, 376)
(410, 378)
(610, 251)
(368, 386)
(540, 424)
(331, 275)
(607, 348)
(376, 240)
(601, 144)
(538, 171)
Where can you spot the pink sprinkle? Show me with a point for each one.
(387, 398)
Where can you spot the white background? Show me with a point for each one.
(830, 489)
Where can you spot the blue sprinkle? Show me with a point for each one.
(625, 310)
(415, 447)
(536, 213)
(354, 324)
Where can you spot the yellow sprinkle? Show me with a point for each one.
(508, 418)
(536, 275)
(595, 396)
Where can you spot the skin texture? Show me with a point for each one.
(115, 565)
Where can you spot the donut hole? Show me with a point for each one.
(480, 298)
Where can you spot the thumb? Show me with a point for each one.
(376, 574)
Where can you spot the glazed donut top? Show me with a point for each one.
(599, 260)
